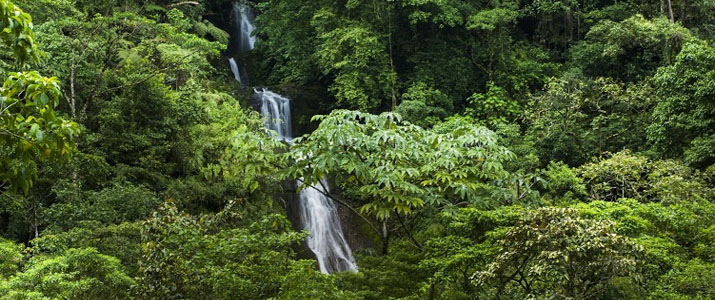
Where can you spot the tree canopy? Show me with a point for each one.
(463, 150)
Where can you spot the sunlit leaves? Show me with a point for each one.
(17, 33)
(631, 49)
(576, 118)
(356, 56)
(442, 13)
(74, 274)
(489, 19)
(424, 105)
(393, 166)
(225, 256)
(31, 130)
(233, 151)
(493, 107)
(10, 258)
(555, 252)
(623, 175)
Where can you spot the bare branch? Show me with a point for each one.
(182, 3)
(8, 107)
(343, 203)
(407, 231)
(10, 133)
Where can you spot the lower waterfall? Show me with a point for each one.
(320, 217)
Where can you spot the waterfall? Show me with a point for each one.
(320, 217)
(242, 19)
(234, 69)
(276, 110)
(241, 39)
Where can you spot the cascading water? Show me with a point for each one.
(319, 215)
(242, 41)
(234, 69)
(242, 19)
(276, 110)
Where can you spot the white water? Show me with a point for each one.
(242, 17)
(234, 69)
(276, 110)
(320, 217)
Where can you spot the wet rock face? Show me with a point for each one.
(357, 234)
(292, 208)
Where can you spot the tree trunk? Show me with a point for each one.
(73, 109)
(432, 291)
(670, 10)
(385, 238)
(392, 63)
(73, 72)
(34, 222)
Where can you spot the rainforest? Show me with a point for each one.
(357, 149)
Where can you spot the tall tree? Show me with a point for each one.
(684, 119)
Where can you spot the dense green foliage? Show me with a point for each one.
(535, 149)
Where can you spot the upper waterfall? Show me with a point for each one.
(242, 21)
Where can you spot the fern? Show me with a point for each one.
(204, 28)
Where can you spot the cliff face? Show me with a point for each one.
(357, 233)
